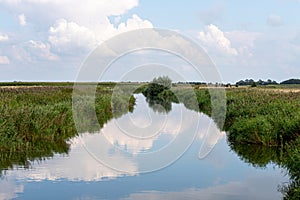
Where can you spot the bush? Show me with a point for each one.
(164, 81)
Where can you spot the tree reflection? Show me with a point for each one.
(159, 97)
(258, 155)
(287, 157)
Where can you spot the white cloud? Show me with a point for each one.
(88, 13)
(41, 50)
(33, 51)
(275, 20)
(61, 167)
(69, 36)
(66, 36)
(3, 37)
(4, 60)
(149, 127)
(9, 188)
(72, 24)
(22, 20)
(262, 186)
(93, 152)
(243, 41)
(214, 40)
(134, 23)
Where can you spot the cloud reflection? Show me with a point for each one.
(258, 187)
(123, 145)
(9, 189)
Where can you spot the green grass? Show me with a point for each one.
(263, 126)
(36, 122)
(52, 84)
(262, 117)
(19, 83)
(258, 116)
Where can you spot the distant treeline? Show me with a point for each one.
(267, 82)
(24, 83)
(247, 82)
(259, 82)
(193, 83)
(291, 81)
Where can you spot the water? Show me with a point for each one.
(148, 154)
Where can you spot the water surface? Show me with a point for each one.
(110, 163)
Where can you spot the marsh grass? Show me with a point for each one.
(36, 122)
(263, 126)
(262, 117)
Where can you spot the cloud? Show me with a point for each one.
(275, 20)
(88, 13)
(4, 60)
(257, 187)
(22, 20)
(3, 37)
(69, 36)
(71, 30)
(244, 41)
(135, 22)
(33, 51)
(40, 49)
(93, 152)
(87, 169)
(128, 130)
(214, 40)
(9, 188)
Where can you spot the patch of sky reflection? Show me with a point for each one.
(81, 175)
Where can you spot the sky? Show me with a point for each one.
(48, 40)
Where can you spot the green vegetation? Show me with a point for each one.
(256, 115)
(164, 81)
(267, 82)
(251, 82)
(288, 157)
(291, 81)
(253, 115)
(263, 124)
(158, 94)
(262, 116)
(36, 122)
(292, 163)
(20, 83)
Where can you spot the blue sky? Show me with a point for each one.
(48, 40)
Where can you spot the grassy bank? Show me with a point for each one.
(36, 122)
(262, 117)
(263, 126)
(258, 116)
(254, 115)
(287, 157)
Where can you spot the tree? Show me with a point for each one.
(158, 94)
(164, 81)
(253, 84)
(291, 81)
(259, 82)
